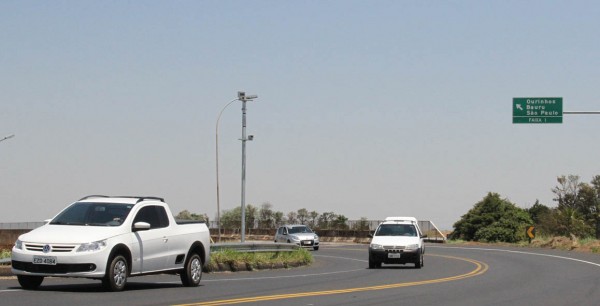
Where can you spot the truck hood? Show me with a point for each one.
(395, 240)
(70, 234)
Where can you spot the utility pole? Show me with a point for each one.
(242, 97)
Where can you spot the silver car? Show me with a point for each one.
(298, 234)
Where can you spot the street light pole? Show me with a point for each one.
(217, 163)
(242, 97)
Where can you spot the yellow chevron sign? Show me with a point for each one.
(531, 232)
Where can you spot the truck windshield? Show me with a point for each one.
(93, 214)
(396, 230)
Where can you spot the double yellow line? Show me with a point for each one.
(480, 268)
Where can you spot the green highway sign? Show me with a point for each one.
(537, 110)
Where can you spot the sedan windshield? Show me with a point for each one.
(299, 229)
(93, 214)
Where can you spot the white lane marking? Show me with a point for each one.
(521, 252)
(361, 260)
(10, 290)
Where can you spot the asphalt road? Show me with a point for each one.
(452, 275)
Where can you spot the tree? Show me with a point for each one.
(302, 215)
(493, 219)
(265, 216)
(313, 218)
(186, 215)
(361, 225)
(251, 213)
(325, 219)
(578, 208)
(278, 218)
(567, 191)
(340, 222)
(232, 219)
(291, 217)
(565, 222)
(537, 211)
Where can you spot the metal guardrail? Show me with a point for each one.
(21, 225)
(4, 261)
(250, 247)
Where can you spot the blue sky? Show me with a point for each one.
(366, 108)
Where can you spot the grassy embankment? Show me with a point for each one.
(230, 260)
(237, 261)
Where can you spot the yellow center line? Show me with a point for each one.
(480, 268)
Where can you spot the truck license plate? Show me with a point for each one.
(44, 260)
(394, 255)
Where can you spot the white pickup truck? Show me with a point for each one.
(111, 239)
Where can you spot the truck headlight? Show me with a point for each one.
(92, 246)
(412, 246)
(376, 246)
(19, 244)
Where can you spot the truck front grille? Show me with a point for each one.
(54, 248)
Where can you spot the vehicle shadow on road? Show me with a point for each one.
(96, 287)
(399, 267)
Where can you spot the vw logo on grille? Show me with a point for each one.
(47, 248)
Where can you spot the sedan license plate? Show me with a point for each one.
(394, 255)
(44, 260)
(307, 242)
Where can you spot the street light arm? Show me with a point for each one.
(7, 137)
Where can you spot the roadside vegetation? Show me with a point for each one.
(573, 224)
(4, 254)
(588, 245)
(231, 260)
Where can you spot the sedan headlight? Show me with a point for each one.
(92, 246)
(19, 244)
(295, 238)
(412, 246)
(316, 237)
(376, 246)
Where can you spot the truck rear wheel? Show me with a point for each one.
(192, 272)
(116, 274)
(30, 282)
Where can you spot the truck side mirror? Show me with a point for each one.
(141, 226)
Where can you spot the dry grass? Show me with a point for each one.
(587, 245)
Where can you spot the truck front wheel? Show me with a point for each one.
(116, 274)
(419, 260)
(192, 272)
(30, 282)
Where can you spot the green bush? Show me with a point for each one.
(4, 254)
(493, 220)
(255, 260)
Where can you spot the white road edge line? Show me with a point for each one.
(521, 252)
